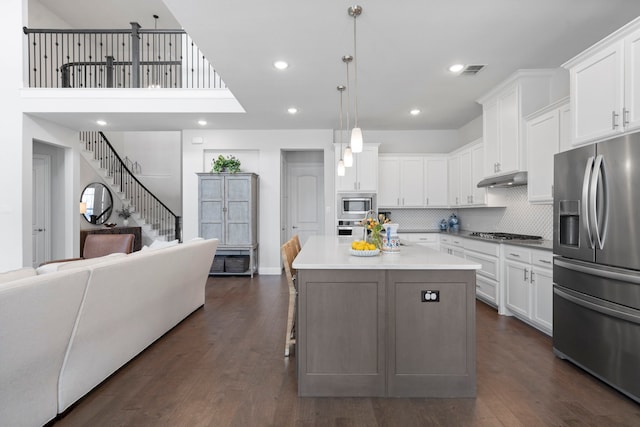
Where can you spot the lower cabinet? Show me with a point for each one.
(486, 254)
(428, 240)
(452, 245)
(529, 286)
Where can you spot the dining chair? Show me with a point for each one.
(289, 253)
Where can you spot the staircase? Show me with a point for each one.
(158, 222)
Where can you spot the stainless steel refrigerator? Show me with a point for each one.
(596, 271)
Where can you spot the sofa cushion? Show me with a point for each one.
(62, 266)
(20, 273)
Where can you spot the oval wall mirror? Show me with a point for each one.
(96, 203)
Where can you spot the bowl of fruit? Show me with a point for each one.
(363, 248)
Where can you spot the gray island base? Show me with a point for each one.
(395, 325)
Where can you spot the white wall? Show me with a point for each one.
(470, 131)
(41, 16)
(160, 157)
(269, 144)
(13, 200)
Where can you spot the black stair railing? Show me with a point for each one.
(144, 202)
(120, 58)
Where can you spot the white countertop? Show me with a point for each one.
(332, 253)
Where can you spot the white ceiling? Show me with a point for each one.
(404, 49)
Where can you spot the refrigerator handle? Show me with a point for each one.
(600, 173)
(585, 201)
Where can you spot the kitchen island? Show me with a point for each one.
(398, 324)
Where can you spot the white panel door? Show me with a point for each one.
(436, 187)
(491, 142)
(632, 81)
(465, 178)
(389, 182)
(543, 141)
(517, 288)
(41, 209)
(542, 286)
(412, 182)
(454, 180)
(597, 95)
(509, 131)
(307, 201)
(478, 195)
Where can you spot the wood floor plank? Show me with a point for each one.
(223, 366)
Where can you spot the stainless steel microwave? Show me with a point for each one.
(356, 205)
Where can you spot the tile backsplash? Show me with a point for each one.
(518, 216)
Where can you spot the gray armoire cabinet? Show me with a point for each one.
(228, 211)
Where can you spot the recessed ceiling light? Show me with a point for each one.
(281, 65)
(101, 122)
(456, 68)
(292, 110)
(202, 122)
(414, 112)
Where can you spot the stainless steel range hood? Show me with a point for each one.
(509, 180)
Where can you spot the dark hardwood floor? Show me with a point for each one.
(224, 366)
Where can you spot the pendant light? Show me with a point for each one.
(348, 153)
(356, 132)
(341, 170)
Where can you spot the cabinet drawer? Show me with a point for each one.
(424, 237)
(517, 254)
(488, 248)
(486, 290)
(452, 240)
(542, 259)
(490, 265)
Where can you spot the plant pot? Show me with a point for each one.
(125, 222)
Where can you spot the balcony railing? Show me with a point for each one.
(129, 58)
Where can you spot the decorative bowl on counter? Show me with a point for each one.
(373, 252)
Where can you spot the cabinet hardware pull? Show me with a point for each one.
(515, 255)
(625, 117)
(545, 261)
(398, 201)
(427, 200)
(526, 275)
(614, 123)
(533, 277)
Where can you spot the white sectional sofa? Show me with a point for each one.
(63, 333)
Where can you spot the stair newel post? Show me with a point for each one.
(109, 71)
(135, 54)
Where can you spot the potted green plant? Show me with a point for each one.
(230, 164)
(124, 213)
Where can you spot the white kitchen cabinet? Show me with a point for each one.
(487, 254)
(604, 80)
(544, 133)
(401, 182)
(503, 111)
(465, 171)
(453, 165)
(529, 285)
(363, 175)
(429, 240)
(435, 184)
(565, 127)
(452, 245)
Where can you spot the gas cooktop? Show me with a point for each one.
(503, 236)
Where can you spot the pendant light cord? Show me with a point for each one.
(355, 72)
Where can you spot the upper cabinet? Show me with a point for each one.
(435, 182)
(363, 175)
(412, 181)
(546, 134)
(465, 170)
(604, 84)
(401, 182)
(503, 112)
